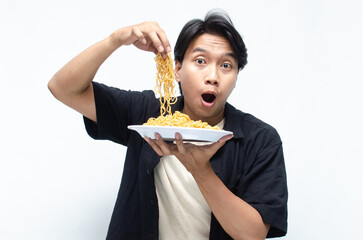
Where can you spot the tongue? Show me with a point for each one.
(208, 97)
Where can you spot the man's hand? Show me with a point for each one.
(196, 159)
(147, 36)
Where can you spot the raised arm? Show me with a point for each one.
(72, 84)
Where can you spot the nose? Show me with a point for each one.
(212, 76)
(212, 82)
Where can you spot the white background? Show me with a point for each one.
(303, 77)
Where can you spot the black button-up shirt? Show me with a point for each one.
(251, 164)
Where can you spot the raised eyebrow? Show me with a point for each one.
(199, 50)
(230, 54)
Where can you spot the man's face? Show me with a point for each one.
(207, 77)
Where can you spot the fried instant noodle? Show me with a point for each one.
(178, 119)
(165, 85)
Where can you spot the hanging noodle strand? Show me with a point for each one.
(165, 84)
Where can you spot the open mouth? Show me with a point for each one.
(208, 97)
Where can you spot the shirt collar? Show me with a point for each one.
(233, 117)
(233, 120)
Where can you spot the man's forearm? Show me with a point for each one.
(239, 219)
(76, 76)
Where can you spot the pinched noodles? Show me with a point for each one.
(165, 84)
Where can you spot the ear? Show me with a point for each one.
(177, 69)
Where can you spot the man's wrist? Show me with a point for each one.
(114, 39)
(204, 175)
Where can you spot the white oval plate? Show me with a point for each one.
(188, 134)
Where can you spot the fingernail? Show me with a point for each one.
(161, 49)
(168, 49)
(157, 137)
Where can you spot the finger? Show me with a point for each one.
(164, 55)
(148, 46)
(179, 143)
(156, 41)
(153, 49)
(154, 146)
(217, 145)
(162, 37)
(225, 138)
(162, 145)
(164, 40)
(139, 35)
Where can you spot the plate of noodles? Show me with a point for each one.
(167, 133)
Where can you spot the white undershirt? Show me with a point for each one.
(183, 211)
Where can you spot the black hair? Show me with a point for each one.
(215, 22)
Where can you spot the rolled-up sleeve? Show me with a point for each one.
(116, 109)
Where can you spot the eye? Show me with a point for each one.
(200, 61)
(226, 65)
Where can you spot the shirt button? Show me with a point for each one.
(147, 171)
(152, 202)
